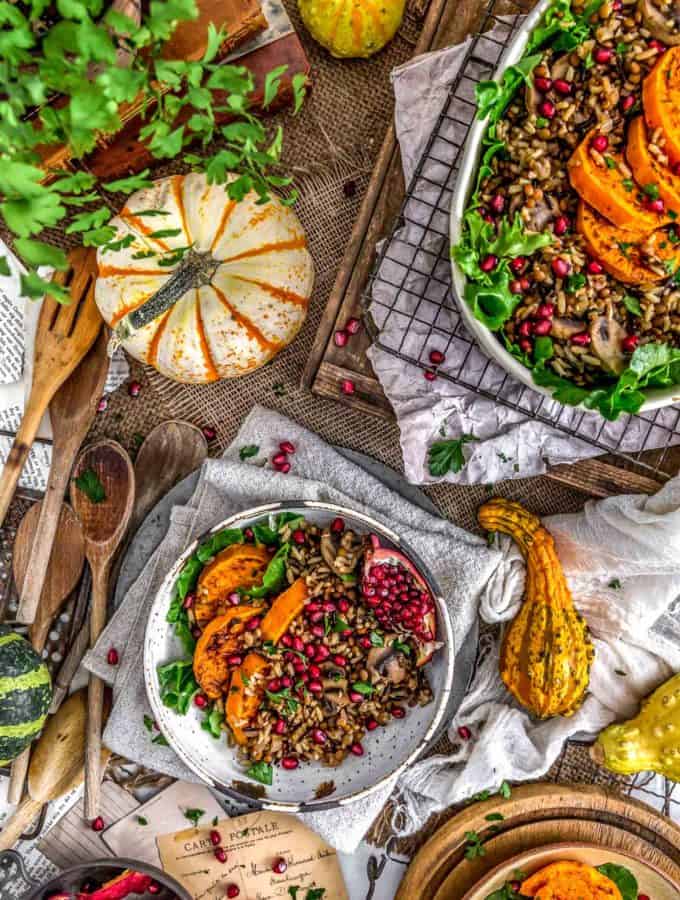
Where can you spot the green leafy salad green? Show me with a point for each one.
(488, 293)
(622, 877)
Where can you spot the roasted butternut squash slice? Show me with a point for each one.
(648, 170)
(661, 100)
(285, 609)
(239, 566)
(619, 255)
(615, 197)
(217, 643)
(245, 693)
(569, 880)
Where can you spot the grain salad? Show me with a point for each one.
(570, 244)
(301, 640)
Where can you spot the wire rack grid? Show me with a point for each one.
(409, 292)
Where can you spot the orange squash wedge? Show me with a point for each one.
(661, 100)
(567, 880)
(612, 195)
(648, 170)
(285, 609)
(239, 566)
(245, 693)
(218, 641)
(618, 253)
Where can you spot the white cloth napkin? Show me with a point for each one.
(508, 444)
(622, 560)
(460, 562)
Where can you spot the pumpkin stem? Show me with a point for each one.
(195, 270)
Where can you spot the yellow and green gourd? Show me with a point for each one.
(352, 28)
(648, 743)
(25, 694)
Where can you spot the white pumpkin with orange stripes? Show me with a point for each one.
(219, 309)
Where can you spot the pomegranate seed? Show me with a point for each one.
(516, 286)
(279, 459)
(340, 338)
(643, 897)
(629, 343)
(318, 631)
(249, 534)
(188, 601)
(430, 376)
(547, 109)
(338, 525)
(627, 103)
(560, 267)
(464, 732)
(365, 643)
(285, 469)
(279, 866)
(234, 598)
(489, 263)
(343, 605)
(594, 267)
(98, 824)
(353, 326)
(299, 536)
(617, 5)
(310, 650)
(542, 327)
(112, 657)
(546, 310)
(656, 206)
(525, 328)
(209, 433)
(437, 357)
(215, 838)
(289, 762)
(355, 697)
(357, 749)
(561, 225)
(319, 736)
(134, 388)
(286, 681)
(542, 84)
(253, 624)
(602, 55)
(581, 340)
(274, 685)
(371, 725)
(287, 640)
(518, 263)
(279, 726)
(524, 283)
(233, 890)
(525, 345)
(314, 671)
(315, 687)
(234, 659)
(487, 217)
(340, 660)
(220, 854)
(515, 886)
(398, 712)
(201, 701)
(600, 143)
(154, 887)
(497, 203)
(347, 386)
(654, 44)
(298, 644)
(103, 403)
(287, 447)
(562, 87)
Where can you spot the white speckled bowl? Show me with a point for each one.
(465, 181)
(388, 750)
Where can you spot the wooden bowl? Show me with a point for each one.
(651, 880)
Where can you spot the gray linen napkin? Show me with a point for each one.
(460, 562)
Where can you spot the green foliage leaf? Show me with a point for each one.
(30, 215)
(632, 304)
(129, 184)
(37, 253)
(248, 451)
(218, 542)
(177, 685)
(87, 220)
(623, 878)
(447, 456)
(88, 482)
(274, 575)
(300, 84)
(494, 96)
(272, 84)
(262, 772)
(35, 287)
(4, 267)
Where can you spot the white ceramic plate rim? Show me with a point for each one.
(165, 717)
(464, 184)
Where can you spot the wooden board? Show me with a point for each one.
(535, 815)
(446, 23)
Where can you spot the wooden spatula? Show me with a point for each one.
(65, 334)
(72, 411)
(104, 523)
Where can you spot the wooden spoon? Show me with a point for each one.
(63, 572)
(104, 524)
(56, 766)
(72, 412)
(65, 333)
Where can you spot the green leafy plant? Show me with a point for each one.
(88, 482)
(623, 878)
(75, 62)
(447, 456)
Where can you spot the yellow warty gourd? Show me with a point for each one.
(352, 28)
(546, 653)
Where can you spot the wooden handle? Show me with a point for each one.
(17, 823)
(35, 409)
(69, 667)
(95, 695)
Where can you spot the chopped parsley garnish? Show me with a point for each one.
(651, 190)
(447, 456)
(248, 451)
(575, 282)
(363, 687)
(632, 304)
(609, 162)
(194, 816)
(88, 482)
(262, 772)
(628, 184)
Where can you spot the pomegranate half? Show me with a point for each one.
(399, 597)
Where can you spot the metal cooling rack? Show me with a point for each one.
(410, 292)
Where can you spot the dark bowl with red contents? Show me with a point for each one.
(111, 879)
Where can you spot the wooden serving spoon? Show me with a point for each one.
(56, 766)
(65, 333)
(64, 570)
(105, 521)
(72, 412)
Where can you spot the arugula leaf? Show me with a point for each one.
(212, 721)
(623, 878)
(177, 684)
(262, 772)
(447, 456)
(363, 687)
(274, 574)
(265, 535)
(88, 482)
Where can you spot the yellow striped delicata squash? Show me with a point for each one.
(208, 287)
(352, 28)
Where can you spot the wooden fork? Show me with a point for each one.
(65, 333)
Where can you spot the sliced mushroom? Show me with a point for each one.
(664, 25)
(328, 548)
(538, 217)
(606, 335)
(334, 700)
(563, 329)
(386, 662)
